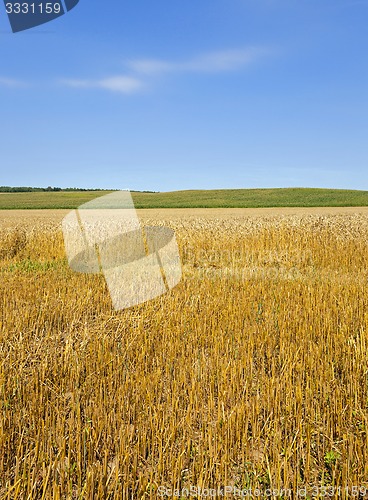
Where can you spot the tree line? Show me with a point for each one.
(26, 189)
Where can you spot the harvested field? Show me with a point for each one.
(11, 218)
(251, 373)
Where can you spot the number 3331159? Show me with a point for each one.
(33, 8)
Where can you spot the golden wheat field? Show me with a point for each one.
(251, 373)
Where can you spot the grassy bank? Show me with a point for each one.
(226, 198)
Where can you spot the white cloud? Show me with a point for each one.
(10, 82)
(141, 69)
(150, 66)
(122, 84)
(213, 62)
(227, 60)
(125, 84)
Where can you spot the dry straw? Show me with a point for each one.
(231, 378)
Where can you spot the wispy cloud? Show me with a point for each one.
(213, 62)
(139, 71)
(355, 2)
(11, 82)
(122, 84)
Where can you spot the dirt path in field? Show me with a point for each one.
(11, 218)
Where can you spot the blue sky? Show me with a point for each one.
(176, 94)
